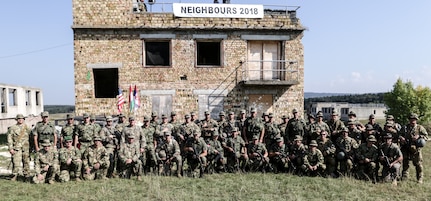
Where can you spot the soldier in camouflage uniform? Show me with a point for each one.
(320, 126)
(208, 125)
(154, 122)
(242, 118)
(70, 161)
(354, 132)
(391, 158)
(367, 155)
(18, 146)
(277, 154)
(314, 163)
(253, 127)
(187, 129)
(411, 152)
(167, 153)
(111, 141)
(271, 131)
(46, 163)
(68, 130)
(376, 126)
(164, 126)
(357, 123)
(257, 155)
(346, 147)
(120, 125)
(296, 154)
(134, 129)
(85, 133)
(295, 126)
(216, 153)
(175, 123)
(391, 119)
(97, 127)
(44, 130)
(236, 151)
(328, 149)
(282, 126)
(149, 152)
(196, 151)
(390, 128)
(311, 132)
(95, 161)
(129, 155)
(335, 125)
(227, 126)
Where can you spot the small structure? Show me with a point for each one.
(362, 111)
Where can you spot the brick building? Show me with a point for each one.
(187, 59)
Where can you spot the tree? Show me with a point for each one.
(404, 99)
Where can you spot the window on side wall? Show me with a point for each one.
(105, 82)
(157, 54)
(208, 53)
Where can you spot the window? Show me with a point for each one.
(208, 53)
(162, 104)
(344, 110)
(27, 97)
(12, 97)
(37, 97)
(214, 104)
(157, 53)
(105, 82)
(3, 100)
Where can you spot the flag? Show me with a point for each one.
(120, 100)
(131, 99)
(136, 95)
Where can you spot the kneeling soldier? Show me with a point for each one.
(367, 154)
(257, 154)
(96, 161)
(314, 163)
(46, 163)
(196, 151)
(129, 156)
(70, 160)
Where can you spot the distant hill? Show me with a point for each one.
(318, 95)
(55, 109)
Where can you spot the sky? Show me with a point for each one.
(349, 46)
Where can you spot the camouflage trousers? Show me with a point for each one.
(96, 174)
(391, 173)
(346, 166)
(150, 154)
(331, 164)
(416, 158)
(66, 170)
(133, 168)
(112, 161)
(21, 162)
(319, 171)
(367, 170)
(46, 176)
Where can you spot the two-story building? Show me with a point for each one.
(187, 57)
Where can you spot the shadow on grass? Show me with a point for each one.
(3, 139)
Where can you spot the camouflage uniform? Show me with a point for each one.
(254, 127)
(111, 141)
(186, 131)
(45, 130)
(96, 126)
(120, 125)
(328, 150)
(367, 155)
(168, 152)
(271, 132)
(131, 151)
(277, 154)
(393, 153)
(296, 154)
(236, 153)
(18, 143)
(207, 126)
(74, 154)
(257, 154)
(282, 126)
(46, 164)
(92, 156)
(85, 133)
(150, 135)
(68, 129)
(347, 146)
(198, 155)
(313, 158)
(295, 126)
(335, 125)
(216, 152)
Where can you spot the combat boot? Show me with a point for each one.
(14, 177)
(420, 180)
(51, 182)
(139, 178)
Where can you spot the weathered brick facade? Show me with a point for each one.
(107, 33)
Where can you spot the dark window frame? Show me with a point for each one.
(145, 62)
(198, 61)
(105, 85)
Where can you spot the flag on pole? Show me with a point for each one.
(131, 99)
(120, 100)
(136, 95)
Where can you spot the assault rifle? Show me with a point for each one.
(196, 155)
(385, 159)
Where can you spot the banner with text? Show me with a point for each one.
(218, 10)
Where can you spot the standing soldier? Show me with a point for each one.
(367, 155)
(390, 119)
(129, 156)
(335, 125)
(95, 161)
(164, 126)
(372, 122)
(175, 123)
(328, 149)
(320, 126)
(70, 161)
(242, 117)
(390, 157)
(46, 163)
(68, 130)
(282, 126)
(346, 147)
(194, 118)
(253, 127)
(154, 122)
(227, 127)
(186, 130)
(295, 126)
(85, 134)
(44, 130)
(311, 132)
(357, 123)
(111, 142)
(355, 133)
(314, 164)
(152, 141)
(18, 145)
(412, 141)
(97, 127)
(208, 125)
(132, 128)
(120, 125)
(271, 131)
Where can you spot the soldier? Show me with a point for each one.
(320, 126)
(152, 142)
(358, 124)
(391, 119)
(208, 125)
(277, 154)
(196, 150)
(68, 130)
(282, 126)
(258, 155)
(175, 123)
(154, 122)
(346, 147)
(372, 121)
(253, 126)
(120, 125)
(70, 161)
(111, 141)
(129, 156)
(134, 129)
(265, 117)
(328, 149)
(296, 154)
(412, 150)
(390, 157)
(168, 153)
(335, 125)
(97, 127)
(194, 118)
(271, 131)
(354, 132)
(314, 163)
(46, 163)
(227, 127)
(85, 133)
(311, 132)
(236, 151)
(216, 157)
(367, 155)
(44, 130)
(186, 130)
(18, 146)
(222, 118)
(295, 126)
(95, 161)
(390, 128)
(242, 117)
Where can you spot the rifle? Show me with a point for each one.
(385, 159)
(196, 155)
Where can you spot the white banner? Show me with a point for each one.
(218, 10)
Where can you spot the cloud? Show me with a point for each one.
(356, 76)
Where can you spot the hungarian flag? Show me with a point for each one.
(136, 95)
(120, 100)
(131, 99)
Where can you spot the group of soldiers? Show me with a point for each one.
(240, 142)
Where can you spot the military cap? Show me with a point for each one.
(231, 113)
(192, 114)
(235, 129)
(390, 117)
(92, 116)
(164, 116)
(20, 116)
(146, 118)
(46, 143)
(369, 127)
(154, 114)
(311, 116)
(69, 116)
(121, 115)
(345, 129)
(264, 114)
(108, 118)
(271, 115)
(97, 138)
(187, 116)
(298, 137)
(414, 116)
(68, 138)
(253, 109)
(284, 116)
(131, 118)
(255, 137)
(387, 136)
(351, 113)
(372, 116)
(295, 110)
(222, 113)
(371, 138)
(389, 124)
(279, 139)
(351, 122)
(242, 111)
(173, 113)
(45, 114)
(313, 143)
(131, 136)
(207, 112)
(334, 113)
(167, 133)
(85, 115)
(319, 114)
